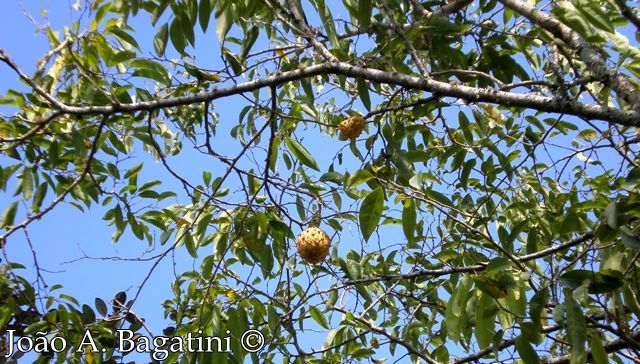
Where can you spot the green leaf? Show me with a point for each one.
(27, 183)
(334, 177)
(40, 326)
(526, 351)
(576, 329)
(598, 353)
(463, 121)
(158, 11)
(200, 74)
(123, 36)
(409, 217)
(133, 171)
(454, 314)
(300, 208)
(614, 265)
(360, 176)
(178, 39)
(630, 300)
(318, 317)
(102, 11)
(611, 215)
(233, 60)
(371, 212)
(537, 305)
(151, 70)
(364, 13)
(204, 14)
(223, 22)
(38, 196)
(598, 283)
(438, 197)
(466, 171)
(587, 134)
(6, 311)
(9, 214)
(568, 14)
(490, 286)
(308, 90)
(122, 57)
(328, 22)
(160, 40)
(363, 91)
(592, 11)
(187, 27)
(531, 332)
(101, 306)
(486, 310)
(301, 153)
(189, 243)
(571, 223)
(498, 264)
(629, 240)
(249, 40)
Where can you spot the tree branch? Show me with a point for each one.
(609, 346)
(472, 268)
(470, 94)
(589, 55)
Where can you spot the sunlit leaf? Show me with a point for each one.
(454, 315)
(160, 40)
(301, 153)
(371, 212)
(9, 214)
(151, 70)
(318, 317)
(123, 36)
(594, 14)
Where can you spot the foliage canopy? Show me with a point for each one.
(488, 211)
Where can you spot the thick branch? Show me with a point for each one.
(589, 55)
(470, 94)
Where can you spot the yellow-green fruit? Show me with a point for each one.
(351, 128)
(313, 245)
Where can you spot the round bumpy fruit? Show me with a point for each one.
(313, 245)
(351, 128)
